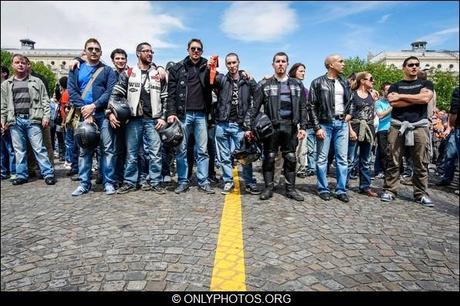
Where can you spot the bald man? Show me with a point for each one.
(329, 106)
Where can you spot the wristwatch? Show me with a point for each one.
(107, 112)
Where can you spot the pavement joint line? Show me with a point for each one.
(229, 270)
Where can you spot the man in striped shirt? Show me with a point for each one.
(24, 107)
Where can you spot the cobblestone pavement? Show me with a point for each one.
(141, 241)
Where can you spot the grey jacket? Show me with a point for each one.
(40, 102)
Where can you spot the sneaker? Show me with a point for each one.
(311, 173)
(126, 188)
(228, 188)
(50, 180)
(343, 197)
(109, 189)
(387, 196)
(146, 187)
(326, 196)
(369, 193)
(67, 165)
(182, 187)
(380, 176)
(19, 181)
(13, 177)
(75, 177)
(301, 174)
(158, 189)
(79, 191)
(425, 201)
(207, 188)
(166, 179)
(253, 189)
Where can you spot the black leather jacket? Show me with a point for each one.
(246, 91)
(177, 87)
(321, 100)
(268, 94)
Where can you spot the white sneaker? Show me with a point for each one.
(228, 187)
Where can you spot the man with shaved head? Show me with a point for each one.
(329, 106)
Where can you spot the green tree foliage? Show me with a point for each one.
(444, 82)
(380, 72)
(40, 68)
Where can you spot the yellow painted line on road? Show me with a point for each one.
(229, 271)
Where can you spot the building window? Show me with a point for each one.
(63, 63)
(439, 66)
(427, 65)
(451, 66)
(52, 63)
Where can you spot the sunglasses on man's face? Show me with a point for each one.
(196, 49)
(91, 49)
(413, 65)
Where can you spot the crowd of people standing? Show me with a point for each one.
(336, 119)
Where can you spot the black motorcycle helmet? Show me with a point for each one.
(120, 109)
(87, 135)
(263, 127)
(172, 134)
(248, 152)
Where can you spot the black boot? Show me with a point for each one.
(291, 192)
(268, 191)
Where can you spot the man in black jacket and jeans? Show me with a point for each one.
(285, 104)
(233, 103)
(329, 110)
(189, 100)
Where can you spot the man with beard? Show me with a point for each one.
(146, 94)
(284, 103)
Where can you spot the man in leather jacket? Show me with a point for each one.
(284, 103)
(329, 110)
(234, 100)
(189, 100)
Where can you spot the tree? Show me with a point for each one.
(444, 82)
(40, 68)
(380, 72)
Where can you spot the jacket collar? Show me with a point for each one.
(201, 62)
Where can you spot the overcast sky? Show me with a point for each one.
(306, 31)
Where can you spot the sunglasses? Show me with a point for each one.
(370, 79)
(147, 51)
(413, 65)
(91, 49)
(196, 49)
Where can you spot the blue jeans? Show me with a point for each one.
(72, 150)
(311, 150)
(452, 151)
(196, 124)
(137, 130)
(362, 159)
(337, 133)
(85, 160)
(7, 155)
(228, 135)
(20, 132)
(111, 141)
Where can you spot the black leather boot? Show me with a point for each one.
(268, 191)
(291, 192)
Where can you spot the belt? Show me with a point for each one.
(23, 116)
(339, 117)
